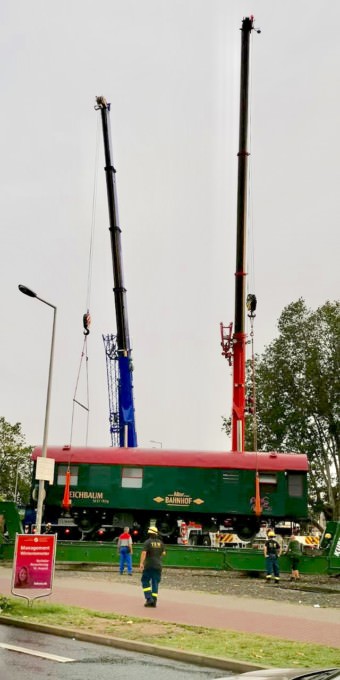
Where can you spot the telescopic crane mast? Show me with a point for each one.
(234, 345)
(126, 411)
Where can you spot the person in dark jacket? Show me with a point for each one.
(272, 552)
(151, 566)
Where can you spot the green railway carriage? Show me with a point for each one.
(114, 487)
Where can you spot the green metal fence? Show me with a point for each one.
(218, 559)
(325, 561)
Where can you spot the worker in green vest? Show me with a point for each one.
(294, 554)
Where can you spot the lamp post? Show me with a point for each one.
(16, 483)
(30, 293)
(154, 441)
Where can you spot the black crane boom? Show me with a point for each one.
(127, 430)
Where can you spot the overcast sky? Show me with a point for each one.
(170, 69)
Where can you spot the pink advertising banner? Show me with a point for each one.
(34, 558)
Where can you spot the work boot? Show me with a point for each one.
(149, 603)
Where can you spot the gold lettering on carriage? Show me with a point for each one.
(90, 495)
(178, 498)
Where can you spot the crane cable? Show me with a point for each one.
(86, 316)
(251, 306)
(257, 505)
(253, 383)
(250, 208)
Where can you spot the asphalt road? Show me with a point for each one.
(47, 656)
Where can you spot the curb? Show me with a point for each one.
(135, 646)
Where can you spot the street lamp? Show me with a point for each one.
(16, 483)
(30, 293)
(154, 441)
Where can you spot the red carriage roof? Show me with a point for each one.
(270, 461)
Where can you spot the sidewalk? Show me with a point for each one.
(263, 617)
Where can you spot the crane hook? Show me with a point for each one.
(86, 323)
(251, 303)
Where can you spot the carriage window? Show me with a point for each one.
(295, 485)
(230, 476)
(268, 478)
(132, 478)
(61, 479)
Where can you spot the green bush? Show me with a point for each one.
(5, 604)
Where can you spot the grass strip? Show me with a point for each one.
(259, 649)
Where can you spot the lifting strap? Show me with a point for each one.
(66, 502)
(86, 406)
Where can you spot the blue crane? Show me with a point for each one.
(117, 348)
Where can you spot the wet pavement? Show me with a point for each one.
(35, 656)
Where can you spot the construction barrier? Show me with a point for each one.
(311, 540)
(226, 538)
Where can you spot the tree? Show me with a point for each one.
(297, 397)
(15, 463)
